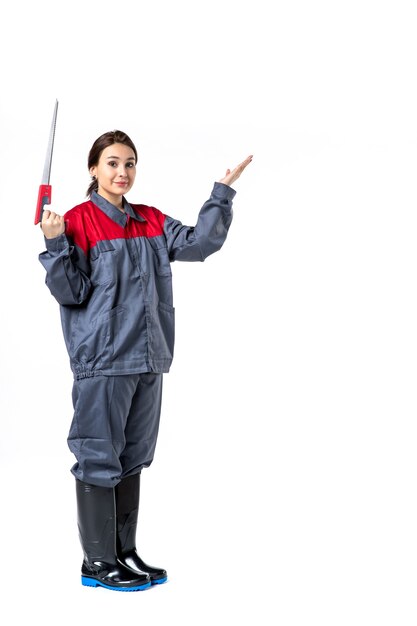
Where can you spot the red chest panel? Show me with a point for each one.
(86, 224)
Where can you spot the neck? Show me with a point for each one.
(117, 201)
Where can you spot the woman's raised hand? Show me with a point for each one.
(232, 175)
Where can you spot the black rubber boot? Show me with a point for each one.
(97, 528)
(127, 509)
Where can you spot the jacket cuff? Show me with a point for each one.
(223, 192)
(57, 244)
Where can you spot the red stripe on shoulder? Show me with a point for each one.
(154, 220)
(75, 226)
(86, 224)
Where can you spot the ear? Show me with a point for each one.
(93, 170)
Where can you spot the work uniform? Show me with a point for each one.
(110, 272)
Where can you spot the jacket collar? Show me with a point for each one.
(113, 212)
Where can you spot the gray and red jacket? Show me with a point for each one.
(110, 272)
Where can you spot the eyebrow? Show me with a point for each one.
(116, 157)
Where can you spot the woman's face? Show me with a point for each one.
(115, 172)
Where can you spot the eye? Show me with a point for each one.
(112, 163)
(130, 164)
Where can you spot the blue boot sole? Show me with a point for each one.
(160, 581)
(93, 582)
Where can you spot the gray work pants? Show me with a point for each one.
(115, 426)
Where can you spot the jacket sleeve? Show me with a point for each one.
(196, 243)
(67, 270)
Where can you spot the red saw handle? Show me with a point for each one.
(44, 197)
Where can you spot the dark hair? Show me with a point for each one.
(100, 144)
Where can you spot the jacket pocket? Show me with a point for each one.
(160, 257)
(163, 335)
(105, 333)
(103, 263)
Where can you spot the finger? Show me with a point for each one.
(239, 168)
(242, 165)
(45, 215)
(245, 162)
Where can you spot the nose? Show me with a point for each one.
(122, 170)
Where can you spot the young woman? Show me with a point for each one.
(107, 263)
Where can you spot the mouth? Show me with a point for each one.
(122, 183)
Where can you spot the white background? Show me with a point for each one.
(283, 489)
